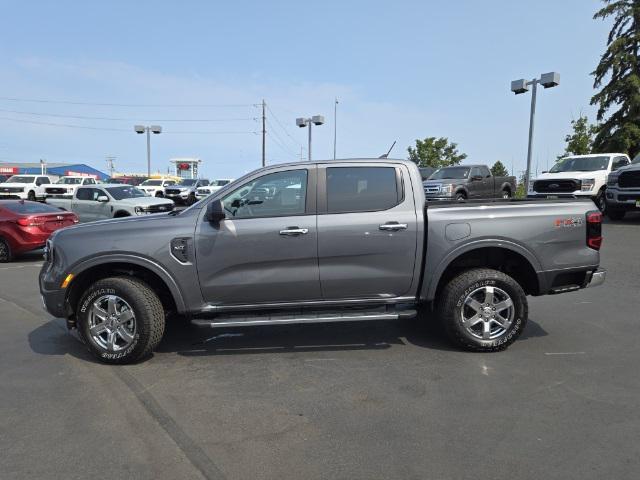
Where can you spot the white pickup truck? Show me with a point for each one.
(578, 176)
(99, 202)
(26, 187)
(154, 187)
(214, 186)
(66, 186)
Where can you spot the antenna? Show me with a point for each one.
(386, 155)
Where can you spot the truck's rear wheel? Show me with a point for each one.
(120, 319)
(483, 310)
(31, 196)
(506, 194)
(601, 201)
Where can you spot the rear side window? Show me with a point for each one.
(361, 189)
(30, 207)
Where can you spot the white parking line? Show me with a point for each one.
(17, 267)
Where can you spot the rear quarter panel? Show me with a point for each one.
(550, 235)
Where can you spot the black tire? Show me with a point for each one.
(159, 195)
(121, 214)
(452, 308)
(148, 314)
(31, 196)
(506, 194)
(601, 201)
(5, 251)
(460, 197)
(615, 214)
(191, 199)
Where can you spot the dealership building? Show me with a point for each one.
(54, 170)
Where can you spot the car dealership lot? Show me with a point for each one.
(379, 400)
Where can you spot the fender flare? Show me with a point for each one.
(143, 262)
(430, 291)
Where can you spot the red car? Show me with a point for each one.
(27, 225)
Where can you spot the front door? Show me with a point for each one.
(266, 250)
(367, 231)
(87, 206)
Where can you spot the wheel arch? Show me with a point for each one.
(121, 214)
(146, 270)
(508, 258)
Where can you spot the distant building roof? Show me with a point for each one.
(57, 169)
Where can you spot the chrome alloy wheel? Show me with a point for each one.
(112, 323)
(487, 312)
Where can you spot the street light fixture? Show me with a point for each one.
(547, 80)
(140, 129)
(303, 122)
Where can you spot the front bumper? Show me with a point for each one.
(577, 194)
(623, 199)
(53, 300)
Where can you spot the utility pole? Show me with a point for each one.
(264, 133)
(335, 126)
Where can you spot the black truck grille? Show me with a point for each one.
(56, 190)
(165, 207)
(170, 191)
(10, 189)
(629, 179)
(556, 186)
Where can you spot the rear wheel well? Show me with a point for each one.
(118, 269)
(501, 259)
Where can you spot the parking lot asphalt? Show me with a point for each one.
(381, 400)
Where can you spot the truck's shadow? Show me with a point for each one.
(185, 340)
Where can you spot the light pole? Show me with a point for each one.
(140, 129)
(547, 80)
(303, 122)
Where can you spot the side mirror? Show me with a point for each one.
(215, 212)
(103, 198)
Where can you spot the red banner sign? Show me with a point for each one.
(9, 170)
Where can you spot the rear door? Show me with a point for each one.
(488, 184)
(367, 230)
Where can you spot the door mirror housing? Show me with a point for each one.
(103, 198)
(215, 212)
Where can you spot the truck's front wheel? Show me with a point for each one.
(483, 310)
(120, 319)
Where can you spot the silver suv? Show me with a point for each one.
(185, 191)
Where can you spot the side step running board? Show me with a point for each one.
(311, 317)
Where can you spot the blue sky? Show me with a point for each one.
(401, 70)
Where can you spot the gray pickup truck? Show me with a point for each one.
(332, 241)
(467, 182)
(99, 202)
(623, 190)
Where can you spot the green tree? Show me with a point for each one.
(435, 152)
(499, 170)
(580, 142)
(618, 78)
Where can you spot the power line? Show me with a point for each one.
(86, 127)
(128, 119)
(136, 105)
(282, 147)
(275, 135)
(297, 144)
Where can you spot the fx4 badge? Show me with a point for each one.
(568, 222)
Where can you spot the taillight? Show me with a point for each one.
(32, 221)
(594, 230)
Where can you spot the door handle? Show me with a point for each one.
(393, 226)
(293, 231)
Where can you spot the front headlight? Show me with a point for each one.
(139, 210)
(588, 184)
(447, 189)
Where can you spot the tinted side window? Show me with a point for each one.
(272, 195)
(475, 172)
(90, 181)
(84, 194)
(361, 189)
(619, 162)
(485, 172)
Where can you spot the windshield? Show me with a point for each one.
(21, 179)
(580, 164)
(450, 172)
(151, 183)
(70, 181)
(636, 160)
(219, 183)
(123, 192)
(187, 182)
